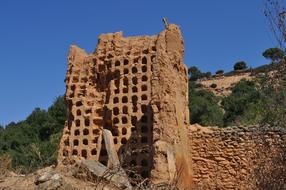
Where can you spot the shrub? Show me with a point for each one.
(219, 72)
(241, 65)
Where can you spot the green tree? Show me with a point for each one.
(241, 65)
(275, 54)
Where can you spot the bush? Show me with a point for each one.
(219, 72)
(241, 65)
(213, 85)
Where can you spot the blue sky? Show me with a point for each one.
(35, 36)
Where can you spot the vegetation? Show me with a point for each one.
(219, 72)
(204, 107)
(241, 65)
(196, 74)
(275, 54)
(33, 143)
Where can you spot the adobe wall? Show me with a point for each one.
(137, 88)
(238, 157)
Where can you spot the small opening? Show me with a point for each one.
(95, 131)
(134, 99)
(74, 152)
(75, 79)
(79, 103)
(117, 73)
(125, 81)
(134, 89)
(116, 91)
(73, 87)
(134, 70)
(65, 153)
(67, 143)
(143, 108)
(85, 132)
(115, 141)
(84, 154)
(124, 120)
(124, 99)
(144, 129)
(123, 141)
(134, 108)
(136, 60)
(115, 132)
(78, 112)
(133, 120)
(115, 100)
(126, 62)
(144, 88)
(125, 110)
(93, 152)
(88, 111)
(95, 140)
(77, 122)
(86, 122)
(144, 97)
(124, 131)
(125, 71)
(153, 48)
(144, 60)
(125, 90)
(117, 63)
(144, 139)
(76, 132)
(144, 119)
(134, 81)
(115, 120)
(144, 78)
(115, 111)
(75, 142)
(144, 163)
(85, 142)
(144, 69)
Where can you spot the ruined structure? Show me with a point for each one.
(136, 87)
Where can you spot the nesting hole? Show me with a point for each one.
(93, 152)
(85, 142)
(85, 132)
(75, 142)
(115, 111)
(124, 99)
(84, 154)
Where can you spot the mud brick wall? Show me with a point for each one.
(137, 88)
(238, 157)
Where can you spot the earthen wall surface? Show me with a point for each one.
(136, 87)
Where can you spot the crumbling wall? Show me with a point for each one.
(136, 87)
(238, 157)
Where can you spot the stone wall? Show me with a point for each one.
(238, 157)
